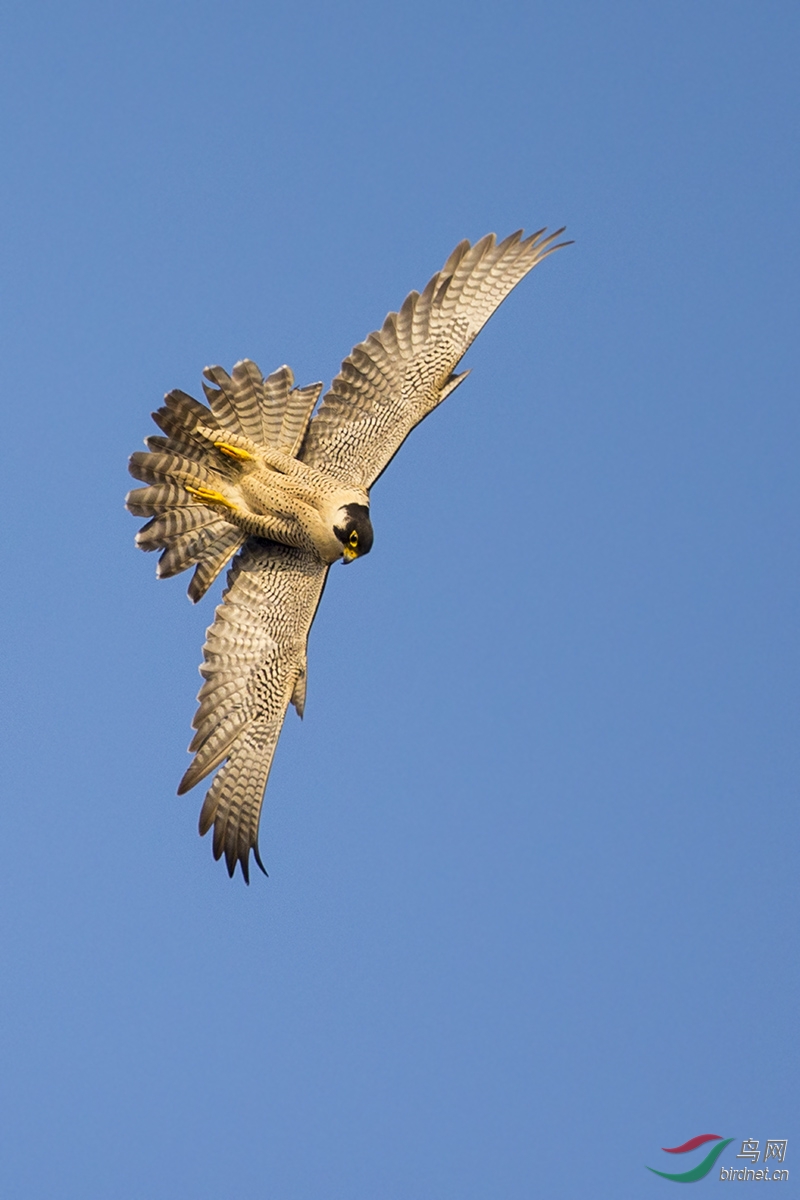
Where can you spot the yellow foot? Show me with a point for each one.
(208, 496)
(233, 452)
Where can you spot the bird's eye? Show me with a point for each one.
(353, 539)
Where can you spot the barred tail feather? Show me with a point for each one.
(162, 528)
(151, 501)
(218, 557)
(268, 412)
(164, 466)
(187, 549)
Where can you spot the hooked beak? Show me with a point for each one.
(348, 555)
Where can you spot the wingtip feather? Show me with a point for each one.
(259, 863)
(186, 784)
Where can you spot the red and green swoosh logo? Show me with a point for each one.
(702, 1168)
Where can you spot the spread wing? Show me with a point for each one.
(397, 376)
(255, 664)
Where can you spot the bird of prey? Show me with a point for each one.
(255, 475)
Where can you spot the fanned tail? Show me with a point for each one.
(268, 411)
(188, 532)
(204, 449)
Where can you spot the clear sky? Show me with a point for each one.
(532, 905)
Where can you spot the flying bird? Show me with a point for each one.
(256, 475)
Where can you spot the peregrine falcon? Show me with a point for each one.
(255, 475)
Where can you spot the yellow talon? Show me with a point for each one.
(233, 451)
(210, 497)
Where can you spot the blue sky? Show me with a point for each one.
(532, 904)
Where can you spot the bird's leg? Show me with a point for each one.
(276, 526)
(234, 452)
(209, 496)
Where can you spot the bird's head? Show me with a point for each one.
(353, 528)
